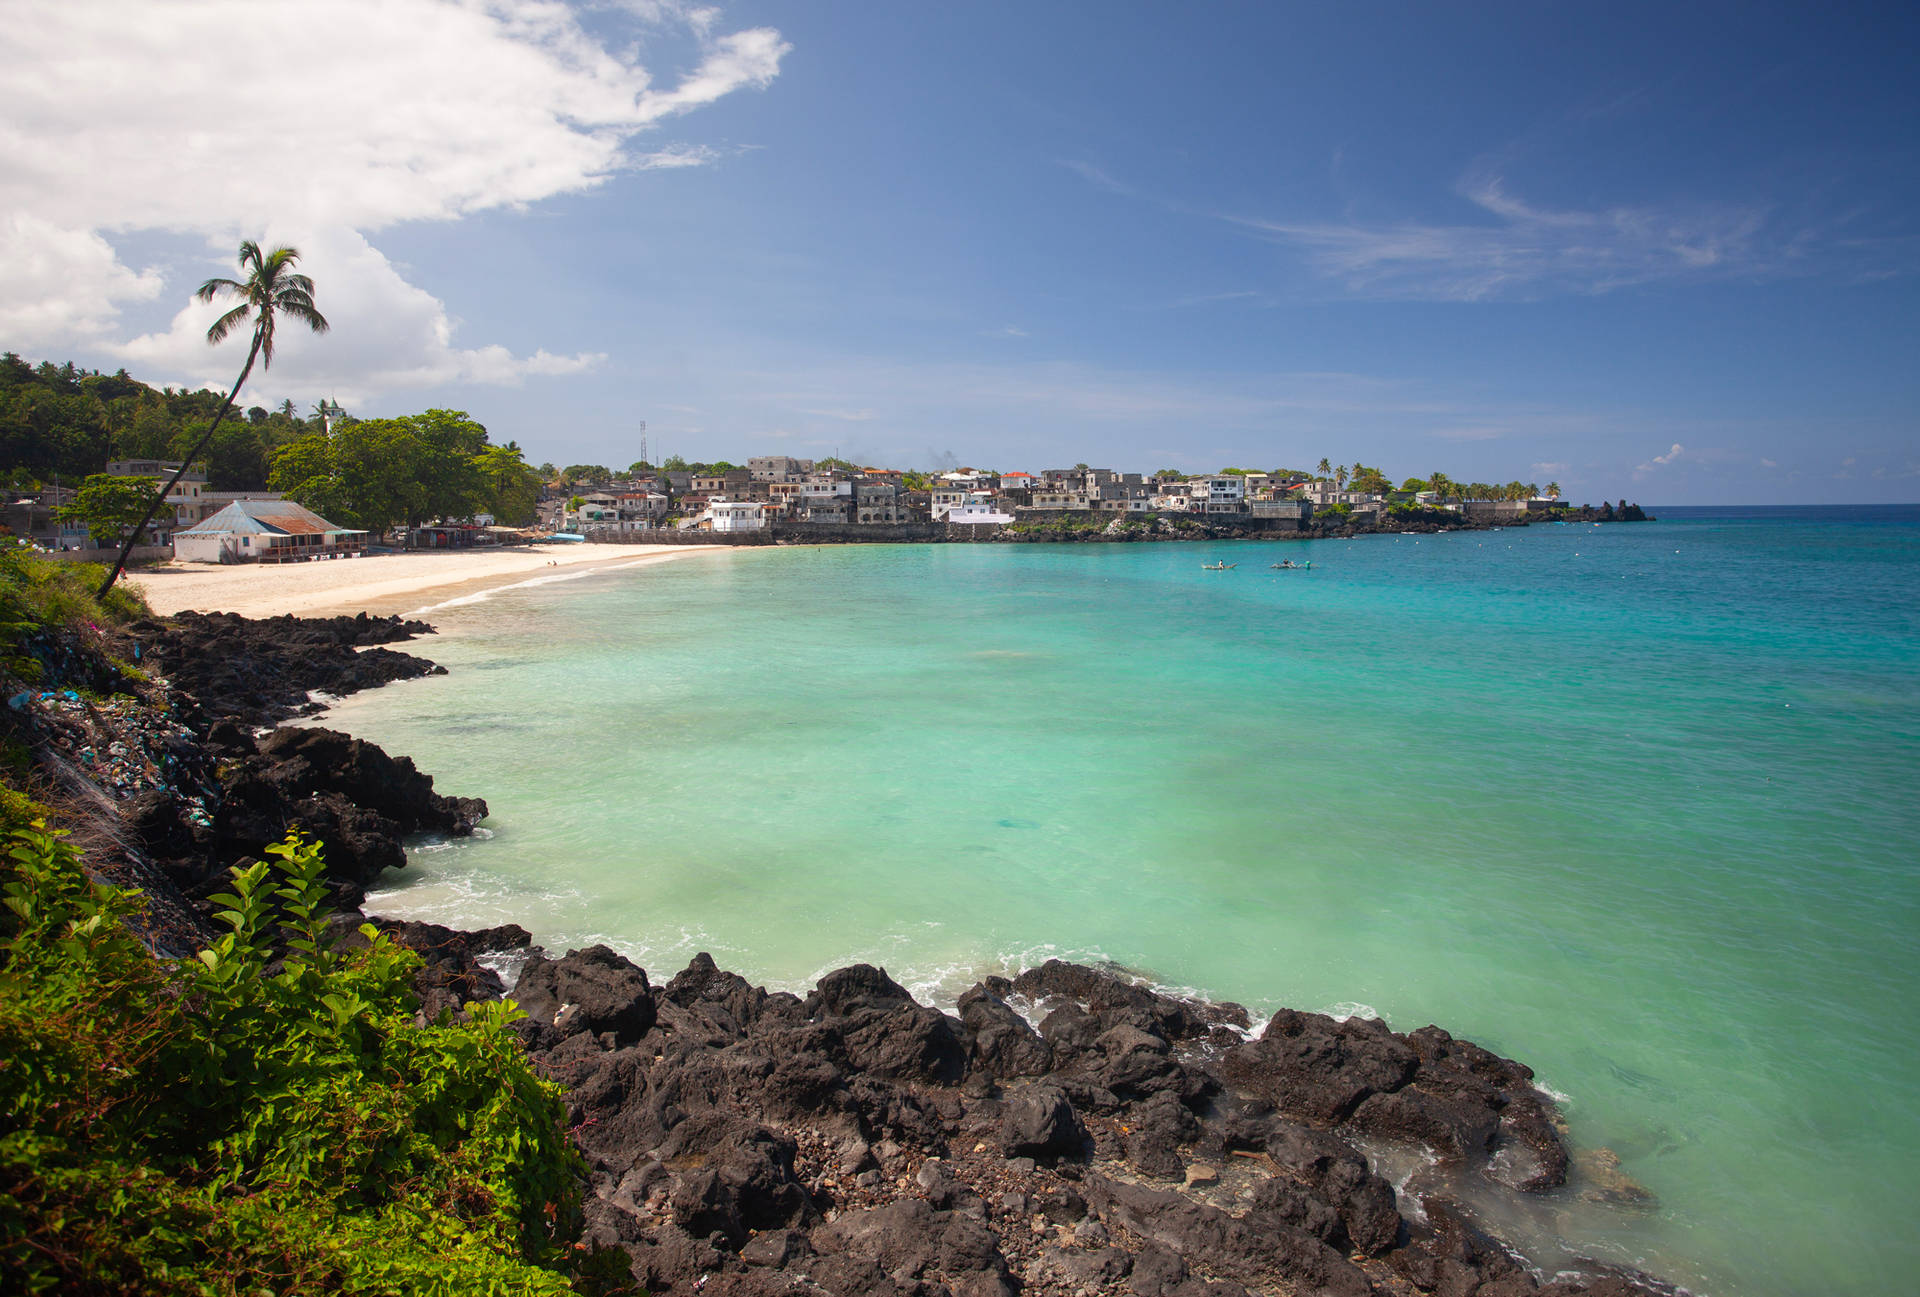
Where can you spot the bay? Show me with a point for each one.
(1631, 803)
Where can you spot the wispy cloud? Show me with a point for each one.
(1097, 175)
(1005, 331)
(1525, 250)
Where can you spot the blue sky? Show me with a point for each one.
(1666, 252)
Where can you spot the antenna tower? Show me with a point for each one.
(643, 443)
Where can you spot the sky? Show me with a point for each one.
(1667, 252)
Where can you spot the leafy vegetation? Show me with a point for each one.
(59, 421)
(374, 473)
(265, 1118)
(111, 505)
(38, 594)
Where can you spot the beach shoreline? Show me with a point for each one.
(402, 583)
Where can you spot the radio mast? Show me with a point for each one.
(643, 443)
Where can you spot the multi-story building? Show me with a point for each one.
(778, 468)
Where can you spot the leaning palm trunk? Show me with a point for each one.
(133, 537)
(270, 287)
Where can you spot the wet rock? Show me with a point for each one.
(260, 671)
(1003, 1042)
(1312, 1066)
(451, 974)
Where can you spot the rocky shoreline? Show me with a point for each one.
(1064, 1131)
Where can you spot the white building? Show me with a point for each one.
(737, 515)
(268, 531)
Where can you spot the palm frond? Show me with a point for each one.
(214, 287)
(229, 322)
(304, 312)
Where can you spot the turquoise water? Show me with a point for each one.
(1634, 804)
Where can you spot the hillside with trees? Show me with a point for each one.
(65, 424)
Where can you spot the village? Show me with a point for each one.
(798, 499)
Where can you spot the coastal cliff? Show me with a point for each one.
(1068, 1130)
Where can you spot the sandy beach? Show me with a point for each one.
(379, 583)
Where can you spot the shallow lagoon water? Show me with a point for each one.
(1633, 803)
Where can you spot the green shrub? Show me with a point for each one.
(248, 1123)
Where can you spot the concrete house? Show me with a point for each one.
(266, 531)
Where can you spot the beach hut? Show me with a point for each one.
(266, 531)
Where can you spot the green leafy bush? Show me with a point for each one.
(267, 1117)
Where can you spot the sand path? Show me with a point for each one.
(379, 583)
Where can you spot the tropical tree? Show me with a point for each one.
(1340, 477)
(1553, 490)
(1326, 466)
(109, 505)
(271, 289)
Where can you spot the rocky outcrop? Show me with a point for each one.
(262, 671)
(855, 1141)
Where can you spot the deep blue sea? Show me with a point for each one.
(1635, 804)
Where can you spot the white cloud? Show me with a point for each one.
(1672, 456)
(226, 118)
(1548, 467)
(62, 286)
(386, 334)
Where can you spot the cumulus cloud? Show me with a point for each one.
(1674, 452)
(388, 334)
(326, 121)
(63, 285)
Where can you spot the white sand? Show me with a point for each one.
(380, 583)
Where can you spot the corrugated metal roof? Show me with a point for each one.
(263, 518)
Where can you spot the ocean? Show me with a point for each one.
(1633, 803)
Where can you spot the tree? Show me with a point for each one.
(1370, 480)
(1340, 477)
(1553, 490)
(271, 289)
(1326, 466)
(1414, 484)
(512, 488)
(675, 464)
(109, 505)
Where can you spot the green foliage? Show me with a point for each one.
(374, 473)
(265, 1118)
(60, 420)
(41, 594)
(111, 506)
(1333, 513)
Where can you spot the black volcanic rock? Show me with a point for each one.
(857, 1142)
(593, 990)
(260, 671)
(1039, 1122)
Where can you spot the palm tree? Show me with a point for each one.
(1553, 490)
(1340, 477)
(271, 288)
(1326, 466)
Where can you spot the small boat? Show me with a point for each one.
(1291, 566)
(1222, 566)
